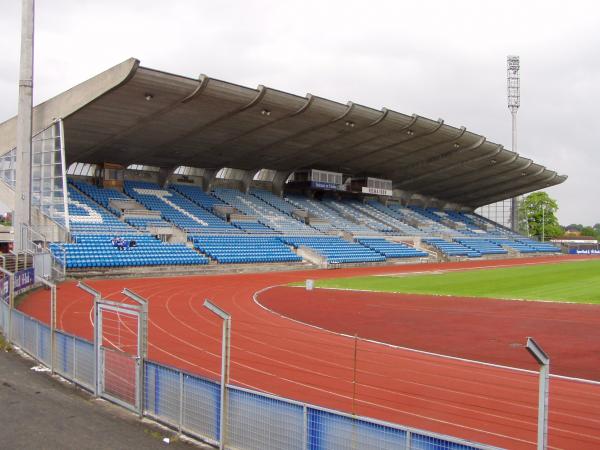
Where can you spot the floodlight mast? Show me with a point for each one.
(513, 85)
(22, 209)
(513, 81)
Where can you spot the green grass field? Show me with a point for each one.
(569, 281)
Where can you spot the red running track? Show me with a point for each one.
(494, 331)
(275, 354)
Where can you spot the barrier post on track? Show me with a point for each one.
(11, 300)
(544, 361)
(225, 347)
(94, 293)
(52, 288)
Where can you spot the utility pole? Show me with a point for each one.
(543, 222)
(513, 83)
(22, 213)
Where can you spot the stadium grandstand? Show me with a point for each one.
(137, 172)
(192, 173)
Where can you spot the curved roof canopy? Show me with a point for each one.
(132, 114)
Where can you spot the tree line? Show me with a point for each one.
(537, 218)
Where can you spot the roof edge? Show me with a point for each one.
(70, 101)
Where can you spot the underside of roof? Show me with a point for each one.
(131, 114)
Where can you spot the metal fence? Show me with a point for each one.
(191, 404)
(73, 357)
(258, 421)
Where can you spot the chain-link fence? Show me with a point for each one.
(191, 403)
(73, 357)
(258, 421)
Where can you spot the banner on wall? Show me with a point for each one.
(377, 191)
(24, 278)
(324, 186)
(587, 251)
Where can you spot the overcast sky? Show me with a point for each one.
(435, 58)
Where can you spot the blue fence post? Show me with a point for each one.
(65, 354)
(314, 429)
(156, 390)
(41, 346)
(180, 401)
(217, 395)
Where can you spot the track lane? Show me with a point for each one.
(277, 355)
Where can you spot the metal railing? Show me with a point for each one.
(191, 404)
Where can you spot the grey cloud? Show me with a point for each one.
(435, 58)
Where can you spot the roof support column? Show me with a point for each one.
(208, 177)
(247, 180)
(420, 200)
(164, 174)
(279, 182)
(403, 196)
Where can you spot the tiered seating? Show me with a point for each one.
(394, 216)
(545, 247)
(515, 245)
(273, 200)
(265, 213)
(492, 228)
(352, 208)
(86, 216)
(190, 209)
(452, 248)
(99, 194)
(143, 222)
(97, 250)
(245, 249)
(459, 217)
(324, 227)
(432, 223)
(197, 195)
(176, 209)
(466, 229)
(427, 226)
(483, 246)
(252, 227)
(335, 250)
(323, 211)
(392, 249)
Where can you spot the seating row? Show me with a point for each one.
(482, 246)
(97, 250)
(244, 249)
(452, 248)
(335, 250)
(392, 249)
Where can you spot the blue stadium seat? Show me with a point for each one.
(335, 250)
(245, 249)
(452, 248)
(392, 249)
(177, 209)
(97, 251)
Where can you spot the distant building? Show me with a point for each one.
(576, 244)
